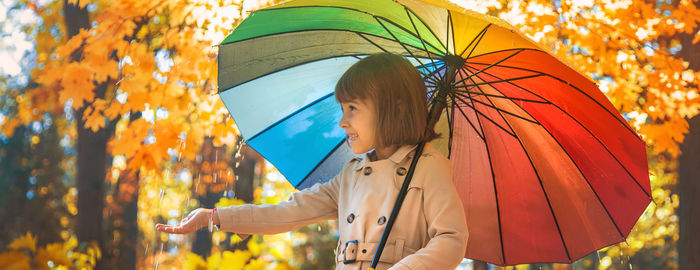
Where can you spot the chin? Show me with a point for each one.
(357, 150)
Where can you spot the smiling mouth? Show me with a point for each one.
(352, 138)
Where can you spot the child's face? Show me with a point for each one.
(359, 122)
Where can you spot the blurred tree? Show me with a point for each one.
(689, 166)
(32, 184)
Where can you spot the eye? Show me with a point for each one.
(351, 107)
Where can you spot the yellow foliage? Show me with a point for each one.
(228, 202)
(60, 255)
(194, 262)
(25, 241)
(14, 261)
(55, 253)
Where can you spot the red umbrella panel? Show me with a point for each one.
(546, 166)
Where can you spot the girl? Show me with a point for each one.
(383, 99)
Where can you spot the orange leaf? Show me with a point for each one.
(77, 84)
(25, 241)
(95, 122)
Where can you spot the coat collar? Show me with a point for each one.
(398, 156)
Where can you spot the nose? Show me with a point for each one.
(343, 122)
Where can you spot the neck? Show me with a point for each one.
(383, 153)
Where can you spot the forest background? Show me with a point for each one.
(110, 122)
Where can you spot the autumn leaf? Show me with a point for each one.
(53, 252)
(25, 241)
(194, 262)
(74, 43)
(81, 3)
(77, 84)
(236, 259)
(14, 261)
(93, 117)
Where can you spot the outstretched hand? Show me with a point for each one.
(196, 220)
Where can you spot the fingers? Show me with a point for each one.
(195, 220)
(174, 229)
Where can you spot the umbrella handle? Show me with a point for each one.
(397, 206)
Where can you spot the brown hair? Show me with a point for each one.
(398, 93)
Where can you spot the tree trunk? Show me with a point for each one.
(689, 193)
(91, 150)
(245, 181)
(130, 228)
(689, 172)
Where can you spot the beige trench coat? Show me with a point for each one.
(429, 233)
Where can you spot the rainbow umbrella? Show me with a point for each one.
(547, 169)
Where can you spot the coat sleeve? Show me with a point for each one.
(444, 213)
(319, 202)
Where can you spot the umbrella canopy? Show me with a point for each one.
(547, 169)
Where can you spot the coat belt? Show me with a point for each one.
(392, 253)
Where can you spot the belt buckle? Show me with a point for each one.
(350, 247)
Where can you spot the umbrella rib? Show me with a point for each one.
(502, 110)
(426, 26)
(504, 97)
(408, 14)
(464, 85)
(450, 114)
(452, 27)
(469, 121)
(480, 36)
(482, 114)
(589, 132)
(400, 43)
(370, 41)
(488, 67)
(556, 222)
(577, 89)
(290, 115)
(434, 72)
(429, 76)
(318, 164)
(493, 179)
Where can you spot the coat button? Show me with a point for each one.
(401, 171)
(351, 217)
(368, 170)
(381, 220)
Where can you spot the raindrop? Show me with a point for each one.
(319, 228)
(215, 174)
(188, 202)
(162, 193)
(196, 187)
(225, 193)
(630, 266)
(146, 251)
